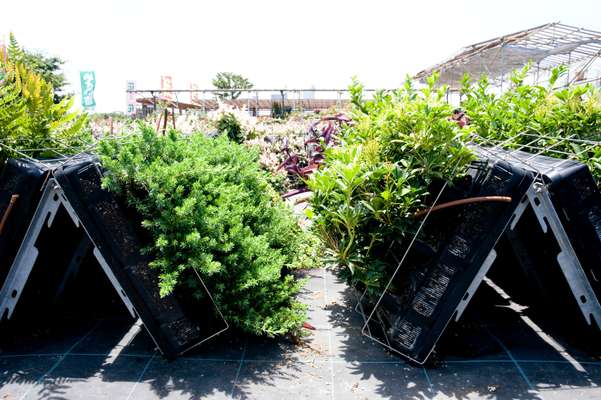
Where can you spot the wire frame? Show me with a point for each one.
(522, 149)
(515, 148)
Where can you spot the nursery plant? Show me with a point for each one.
(537, 116)
(228, 125)
(321, 133)
(30, 121)
(207, 205)
(365, 196)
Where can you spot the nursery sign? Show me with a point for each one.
(88, 84)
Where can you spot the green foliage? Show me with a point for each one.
(400, 142)
(279, 111)
(229, 80)
(48, 67)
(29, 118)
(229, 125)
(525, 111)
(208, 206)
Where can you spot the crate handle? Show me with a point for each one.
(471, 200)
(11, 204)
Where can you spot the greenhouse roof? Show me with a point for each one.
(546, 46)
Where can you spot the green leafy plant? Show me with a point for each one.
(364, 198)
(228, 125)
(208, 206)
(537, 116)
(30, 120)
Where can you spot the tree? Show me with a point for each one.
(229, 80)
(47, 67)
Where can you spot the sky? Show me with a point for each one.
(290, 44)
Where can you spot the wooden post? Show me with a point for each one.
(165, 116)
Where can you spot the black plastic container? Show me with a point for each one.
(577, 201)
(175, 322)
(429, 292)
(21, 183)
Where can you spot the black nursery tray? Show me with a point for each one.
(416, 316)
(21, 185)
(577, 202)
(176, 322)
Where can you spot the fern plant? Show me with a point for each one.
(30, 121)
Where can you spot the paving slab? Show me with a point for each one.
(88, 378)
(480, 380)
(379, 380)
(19, 374)
(284, 380)
(185, 379)
(558, 379)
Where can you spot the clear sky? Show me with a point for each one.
(273, 43)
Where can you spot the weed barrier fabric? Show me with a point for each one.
(176, 322)
(21, 185)
(432, 289)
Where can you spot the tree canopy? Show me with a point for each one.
(49, 68)
(229, 80)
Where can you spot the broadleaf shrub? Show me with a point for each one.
(524, 111)
(400, 143)
(208, 206)
(403, 145)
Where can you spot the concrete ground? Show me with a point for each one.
(115, 359)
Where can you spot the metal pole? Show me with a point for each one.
(293, 101)
(569, 65)
(257, 103)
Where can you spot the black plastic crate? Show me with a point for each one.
(577, 201)
(431, 287)
(21, 185)
(176, 322)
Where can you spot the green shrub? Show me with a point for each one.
(228, 125)
(399, 144)
(208, 206)
(525, 111)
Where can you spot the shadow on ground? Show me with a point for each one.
(497, 351)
